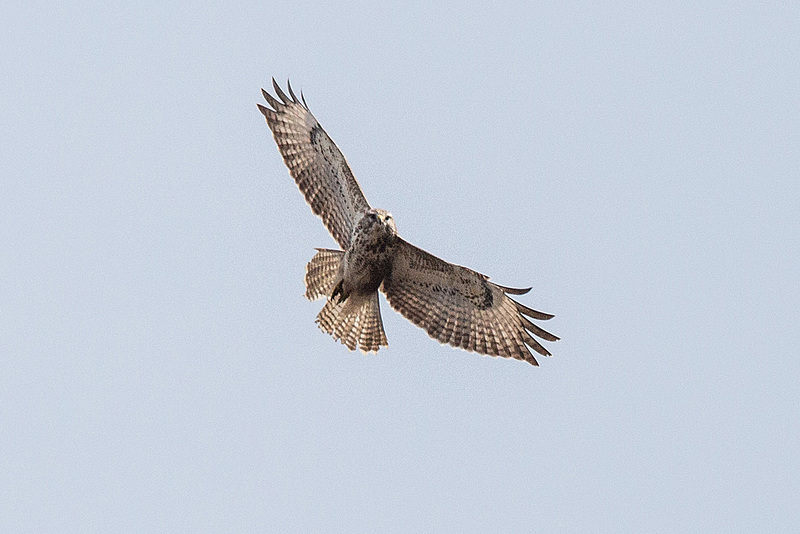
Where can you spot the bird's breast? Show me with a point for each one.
(367, 262)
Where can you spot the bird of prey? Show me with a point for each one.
(454, 304)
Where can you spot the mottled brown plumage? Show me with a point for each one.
(454, 304)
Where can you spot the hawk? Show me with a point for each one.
(454, 304)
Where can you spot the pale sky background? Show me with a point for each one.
(637, 163)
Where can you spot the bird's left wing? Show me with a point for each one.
(315, 163)
(461, 307)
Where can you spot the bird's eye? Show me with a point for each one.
(388, 217)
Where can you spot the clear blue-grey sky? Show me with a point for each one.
(637, 163)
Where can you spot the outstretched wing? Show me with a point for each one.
(459, 306)
(315, 163)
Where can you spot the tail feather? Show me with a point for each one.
(356, 323)
(322, 273)
(373, 335)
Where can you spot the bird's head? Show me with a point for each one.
(384, 219)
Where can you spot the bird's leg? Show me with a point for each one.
(338, 293)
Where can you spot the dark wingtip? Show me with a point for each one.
(270, 100)
(291, 93)
(535, 345)
(532, 313)
(514, 290)
(538, 331)
(280, 92)
(529, 357)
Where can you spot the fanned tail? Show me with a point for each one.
(322, 273)
(356, 322)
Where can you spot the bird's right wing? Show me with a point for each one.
(315, 163)
(461, 307)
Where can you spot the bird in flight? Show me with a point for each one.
(453, 304)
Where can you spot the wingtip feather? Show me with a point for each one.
(514, 290)
(291, 93)
(280, 93)
(535, 345)
(264, 110)
(525, 354)
(271, 100)
(531, 312)
(536, 330)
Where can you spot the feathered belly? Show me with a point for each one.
(365, 274)
(365, 268)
